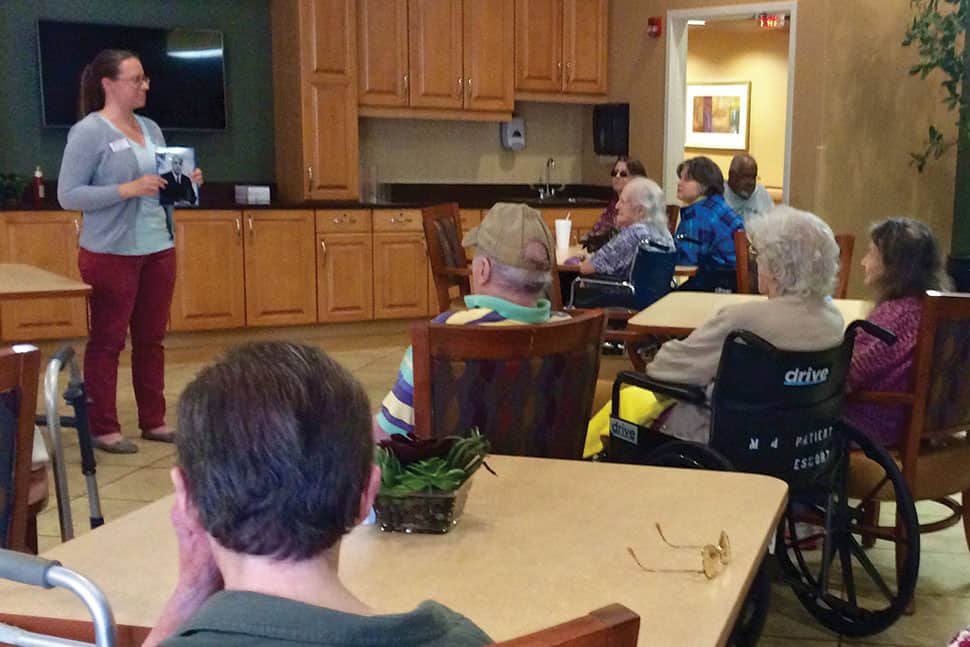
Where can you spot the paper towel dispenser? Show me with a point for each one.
(512, 134)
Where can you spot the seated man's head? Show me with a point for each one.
(796, 252)
(514, 254)
(699, 176)
(177, 165)
(275, 452)
(642, 200)
(743, 175)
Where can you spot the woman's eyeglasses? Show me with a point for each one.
(713, 557)
(619, 173)
(137, 81)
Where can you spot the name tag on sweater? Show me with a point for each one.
(119, 145)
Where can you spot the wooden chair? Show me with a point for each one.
(934, 452)
(449, 265)
(611, 626)
(746, 268)
(19, 376)
(527, 388)
(673, 217)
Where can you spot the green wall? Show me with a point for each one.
(244, 152)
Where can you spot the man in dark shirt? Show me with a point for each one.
(179, 190)
(275, 465)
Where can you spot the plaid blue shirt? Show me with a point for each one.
(713, 223)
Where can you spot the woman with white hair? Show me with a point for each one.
(798, 259)
(642, 218)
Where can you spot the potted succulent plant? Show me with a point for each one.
(424, 482)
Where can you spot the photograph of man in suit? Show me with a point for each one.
(179, 190)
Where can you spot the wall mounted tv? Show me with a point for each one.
(185, 66)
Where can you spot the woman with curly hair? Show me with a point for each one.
(902, 262)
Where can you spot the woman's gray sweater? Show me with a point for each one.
(96, 160)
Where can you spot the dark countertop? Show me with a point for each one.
(220, 195)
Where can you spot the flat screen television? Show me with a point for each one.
(186, 68)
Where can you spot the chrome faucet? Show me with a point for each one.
(547, 190)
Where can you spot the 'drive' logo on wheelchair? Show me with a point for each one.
(806, 376)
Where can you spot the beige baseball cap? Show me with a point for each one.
(506, 230)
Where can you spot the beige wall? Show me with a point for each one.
(760, 58)
(857, 113)
(411, 150)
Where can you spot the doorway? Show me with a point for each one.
(725, 20)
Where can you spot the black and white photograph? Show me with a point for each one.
(174, 164)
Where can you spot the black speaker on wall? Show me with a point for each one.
(611, 129)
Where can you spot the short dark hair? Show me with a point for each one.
(634, 166)
(105, 65)
(275, 443)
(704, 171)
(912, 263)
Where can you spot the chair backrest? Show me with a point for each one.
(673, 217)
(611, 626)
(19, 373)
(846, 246)
(527, 388)
(651, 275)
(777, 412)
(449, 266)
(745, 267)
(941, 385)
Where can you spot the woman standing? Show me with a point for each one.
(902, 262)
(127, 251)
(605, 228)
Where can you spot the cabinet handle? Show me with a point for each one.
(460, 87)
(569, 72)
(77, 228)
(468, 87)
(406, 88)
(323, 247)
(400, 220)
(562, 74)
(250, 229)
(238, 228)
(309, 178)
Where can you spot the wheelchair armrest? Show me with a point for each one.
(886, 336)
(686, 392)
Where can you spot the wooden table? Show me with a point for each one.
(543, 542)
(679, 313)
(19, 281)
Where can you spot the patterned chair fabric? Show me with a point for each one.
(8, 452)
(19, 373)
(528, 389)
(948, 406)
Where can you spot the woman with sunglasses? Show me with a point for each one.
(902, 262)
(605, 228)
(127, 250)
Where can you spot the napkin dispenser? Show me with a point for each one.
(246, 194)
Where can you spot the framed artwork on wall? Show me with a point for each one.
(718, 115)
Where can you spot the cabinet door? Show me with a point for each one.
(435, 53)
(209, 286)
(400, 275)
(585, 46)
(281, 272)
(538, 45)
(345, 277)
(330, 140)
(489, 62)
(382, 46)
(49, 240)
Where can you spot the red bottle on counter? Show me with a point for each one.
(37, 190)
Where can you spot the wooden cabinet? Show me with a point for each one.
(209, 286)
(49, 240)
(438, 58)
(400, 264)
(561, 49)
(583, 219)
(280, 264)
(345, 266)
(314, 98)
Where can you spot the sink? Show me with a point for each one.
(585, 201)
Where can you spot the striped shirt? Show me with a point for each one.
(397, 410)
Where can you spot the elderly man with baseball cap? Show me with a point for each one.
(511, 271)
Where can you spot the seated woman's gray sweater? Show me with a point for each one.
(96, 160)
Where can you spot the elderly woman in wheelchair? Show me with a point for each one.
(759, 388)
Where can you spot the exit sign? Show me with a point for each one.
(771, 21)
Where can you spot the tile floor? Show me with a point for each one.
(372, 352)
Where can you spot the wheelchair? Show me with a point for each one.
(777, 412)
(649, 279)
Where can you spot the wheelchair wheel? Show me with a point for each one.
(690, 455)
(820, 547)
(682, 453)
